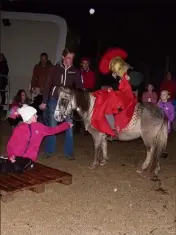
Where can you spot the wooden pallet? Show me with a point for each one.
(33, 180)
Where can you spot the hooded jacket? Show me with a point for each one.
(61, 76)
(26, 139)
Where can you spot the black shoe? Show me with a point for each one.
(69, 157)
(47, 155)
(3, 159)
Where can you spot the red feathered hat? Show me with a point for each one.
(108, 56)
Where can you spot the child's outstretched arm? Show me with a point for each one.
(55, 130)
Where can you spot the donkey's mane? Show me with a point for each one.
(82, 99)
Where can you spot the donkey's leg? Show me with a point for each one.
(157, 169)
(104, 147)
(150, 152)
(147, 160)
(97, 138)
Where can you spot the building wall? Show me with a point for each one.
(23, 42)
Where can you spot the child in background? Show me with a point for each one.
(167, 107)
(20, 99)
(23, 146)
(150, 95)
(36, 100)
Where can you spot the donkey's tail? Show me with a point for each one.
(159, 145)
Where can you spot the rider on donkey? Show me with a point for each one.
(118, 104)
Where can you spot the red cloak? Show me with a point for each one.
(109, 102)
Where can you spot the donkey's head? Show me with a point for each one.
(64, 105)
(70, 100)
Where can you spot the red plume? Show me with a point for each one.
(108, 56)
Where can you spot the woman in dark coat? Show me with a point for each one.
(4, 70)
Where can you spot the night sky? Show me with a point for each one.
(146, 29)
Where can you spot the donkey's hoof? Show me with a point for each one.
(103, 162)
(154, 178)
(94, 165)
(143, 173)
(139, 171)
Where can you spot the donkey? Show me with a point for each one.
(148, 122)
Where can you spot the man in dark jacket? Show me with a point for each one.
(63, 74)
(41, 72)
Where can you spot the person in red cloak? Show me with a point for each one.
(119, 104)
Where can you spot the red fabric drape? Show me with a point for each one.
(108, 102)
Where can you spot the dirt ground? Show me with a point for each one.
(111, 200)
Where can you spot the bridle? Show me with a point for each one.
(65, 106)
(71, 115)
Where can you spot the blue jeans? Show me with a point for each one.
(50, 146)
(45, 117)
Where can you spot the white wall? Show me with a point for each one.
(22, 43)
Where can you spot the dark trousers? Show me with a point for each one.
(14, 122)
(3, 84)
(77, 120)
(20, 165)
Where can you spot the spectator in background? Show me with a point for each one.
(40, 73)
(19, 100)
(88, 76)
(4, 70)
(63, 74)
(150, 95)
(89, 83)
(167, 107)
(170, 85)
(36, 101)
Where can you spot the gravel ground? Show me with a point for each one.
(111, 200)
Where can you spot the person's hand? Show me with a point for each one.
(70, 124)
(12, 159)
(42, 106)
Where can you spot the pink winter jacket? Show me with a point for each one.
(26, 143)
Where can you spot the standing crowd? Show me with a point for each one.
(37, 113)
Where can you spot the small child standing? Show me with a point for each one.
(36, 101)
(167, 107)
(23, 146)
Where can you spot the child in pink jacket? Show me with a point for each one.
(23, 146)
